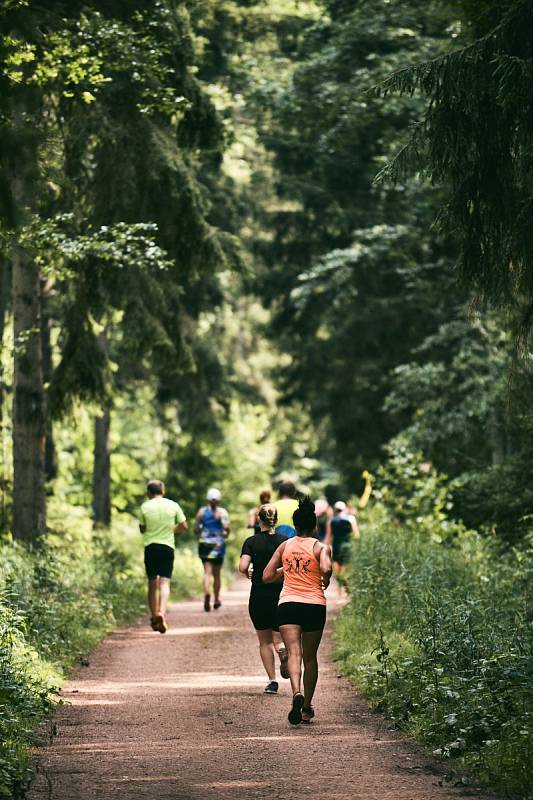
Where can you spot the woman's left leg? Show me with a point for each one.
(208, 572)
(310, 644)
(292, 639)
(217, 568)
(266, 651)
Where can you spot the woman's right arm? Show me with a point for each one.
(244, 564)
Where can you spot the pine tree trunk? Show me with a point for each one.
(5, 277)
(50, 457)
(29, 408)
(497, 438)
(102, 470)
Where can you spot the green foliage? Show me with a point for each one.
(464, 404)
(55, 605)
(474, 137)
(438, 634)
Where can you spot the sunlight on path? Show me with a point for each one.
(184, 717)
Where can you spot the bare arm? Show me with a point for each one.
(244, 565)
(355, 528)
(324, 562)
(222, 515)
(327, 539)
(252, 517)
(270, 573)
(182, 526)
(197, 522)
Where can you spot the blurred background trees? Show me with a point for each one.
(224, 211)
(251, 239)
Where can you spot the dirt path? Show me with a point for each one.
(183, 717)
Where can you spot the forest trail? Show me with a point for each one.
(183, 717)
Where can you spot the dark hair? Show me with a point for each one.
(304, 517)
(265, 496)
(155, 488)
(287, 489)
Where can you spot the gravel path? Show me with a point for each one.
(183, 717)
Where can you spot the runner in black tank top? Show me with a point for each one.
(256, 552)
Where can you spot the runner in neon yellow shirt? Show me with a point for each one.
(159, 520)
(286, 506)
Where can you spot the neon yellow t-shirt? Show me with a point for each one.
(160, 516)
(286, 509)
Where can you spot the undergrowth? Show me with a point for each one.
(439, 634)
(55, 605)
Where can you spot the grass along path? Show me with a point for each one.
(183, 717)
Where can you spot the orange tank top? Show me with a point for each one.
(301, 572)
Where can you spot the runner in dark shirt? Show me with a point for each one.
(256, 552)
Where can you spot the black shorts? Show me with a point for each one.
(204, 550)
(309, 616)
(342, 552)
(158, 561)
(263, 607)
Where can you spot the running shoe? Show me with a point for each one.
(161, 624)
(295, 714)
(272, 687)
(307, 714)
(207, 602)
(154, 623)
(283, 662)
(217, 605)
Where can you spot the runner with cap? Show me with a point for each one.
(341, 532)
(212, 529)
(256, 552)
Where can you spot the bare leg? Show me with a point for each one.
(292, 635)
(276, 636)
(164, 592)
(310, 643)
(216, 581)
(153, 596)
(266, 650)
(208, 571)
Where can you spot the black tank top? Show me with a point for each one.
(261, 547)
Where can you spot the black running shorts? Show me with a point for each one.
(204, 551)
(309, 616)
(263, 607)
(158, 561)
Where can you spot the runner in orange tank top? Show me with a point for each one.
(306, 566)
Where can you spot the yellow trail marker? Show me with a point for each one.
(365, 497)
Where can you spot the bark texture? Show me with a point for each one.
(5, 278)
(102, 470)
(29, 407)
(50, 457)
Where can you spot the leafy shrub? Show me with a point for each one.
(440, 636)
(55, 604)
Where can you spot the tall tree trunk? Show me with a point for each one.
(5, 278)
(29, 408)
(496, 433)
(102, 470)
(102, 459)
(50, 458)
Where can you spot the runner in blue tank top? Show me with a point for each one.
(212, 529)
